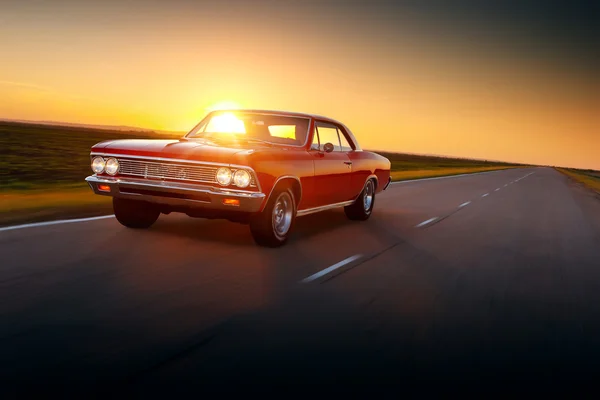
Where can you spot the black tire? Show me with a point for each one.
(360, 210)
(135, 214)
(269, 231)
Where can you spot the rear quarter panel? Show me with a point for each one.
(366, 164)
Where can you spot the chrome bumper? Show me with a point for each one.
(388, 183)
(177, 194)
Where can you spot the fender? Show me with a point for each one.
(275, 185)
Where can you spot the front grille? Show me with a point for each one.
(170, 171)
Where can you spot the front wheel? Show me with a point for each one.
(135, 214)
(362, 208)
(272, 226)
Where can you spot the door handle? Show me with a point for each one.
(348, 162)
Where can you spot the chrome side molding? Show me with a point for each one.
(308, 211)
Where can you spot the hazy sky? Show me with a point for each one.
(517, 81)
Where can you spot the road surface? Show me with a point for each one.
(488, 282)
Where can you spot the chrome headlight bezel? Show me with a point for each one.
(242, 178)
(98, 164)
(224, 176)
(113, 163)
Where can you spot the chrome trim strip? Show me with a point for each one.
(93, 154)
(308, 211)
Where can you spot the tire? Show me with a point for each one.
(135, 214)
(272, 226)
(362, 208)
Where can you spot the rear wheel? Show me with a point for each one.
(362, 208)
(135, 214)
(272, 226)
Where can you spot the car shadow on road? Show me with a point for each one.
(227, 232)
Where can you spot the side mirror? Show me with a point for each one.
(328, 147)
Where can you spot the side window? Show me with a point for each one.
(345, 144)
(283, 131)
(315, 142)
(328, 134)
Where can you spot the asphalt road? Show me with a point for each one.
(487, 282)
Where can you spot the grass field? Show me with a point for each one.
(588, 178)
(45, 156)
(42, 170)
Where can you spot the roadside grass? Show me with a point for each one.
(588, 178)
(20, 207)
(43, 167)
(33, 156)
(426, 172)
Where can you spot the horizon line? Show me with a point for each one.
(148, 130)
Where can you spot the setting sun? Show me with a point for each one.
(225, 123)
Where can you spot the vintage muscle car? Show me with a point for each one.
(263, 168)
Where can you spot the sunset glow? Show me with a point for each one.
(403, 85)
(225, 123)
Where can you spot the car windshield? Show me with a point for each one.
(253, 127)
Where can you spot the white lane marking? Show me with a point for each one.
(332, 268)
(464, 204)
(446, 177)
(496, 190)
(485, 195)
(430, 220)
(506, 185)
(62, 221)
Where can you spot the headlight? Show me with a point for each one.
(224, 176)
(112, 166)
(241, 178)
(98, 165)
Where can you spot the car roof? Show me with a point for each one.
(296, 114)
(285, 113)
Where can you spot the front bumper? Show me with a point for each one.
(177, 194)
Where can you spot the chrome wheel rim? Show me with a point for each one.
(282, 215)
(368, 196)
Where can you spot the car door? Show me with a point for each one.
(332, 169)
(360, 170)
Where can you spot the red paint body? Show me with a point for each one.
(325, 178)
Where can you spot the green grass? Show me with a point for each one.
(20, 207)
(588, 178)
(37, 156)
(425, 172)
(43, 167)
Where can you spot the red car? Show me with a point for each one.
(263, 168)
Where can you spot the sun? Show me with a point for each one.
(225, 123)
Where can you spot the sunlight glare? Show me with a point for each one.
(225, 123)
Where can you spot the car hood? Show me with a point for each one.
(186, 150)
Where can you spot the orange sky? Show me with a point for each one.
(415, 88)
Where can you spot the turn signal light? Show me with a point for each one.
(231, 202)
(104, 188)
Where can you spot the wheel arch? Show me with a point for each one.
(294, 184)
(371, 177)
